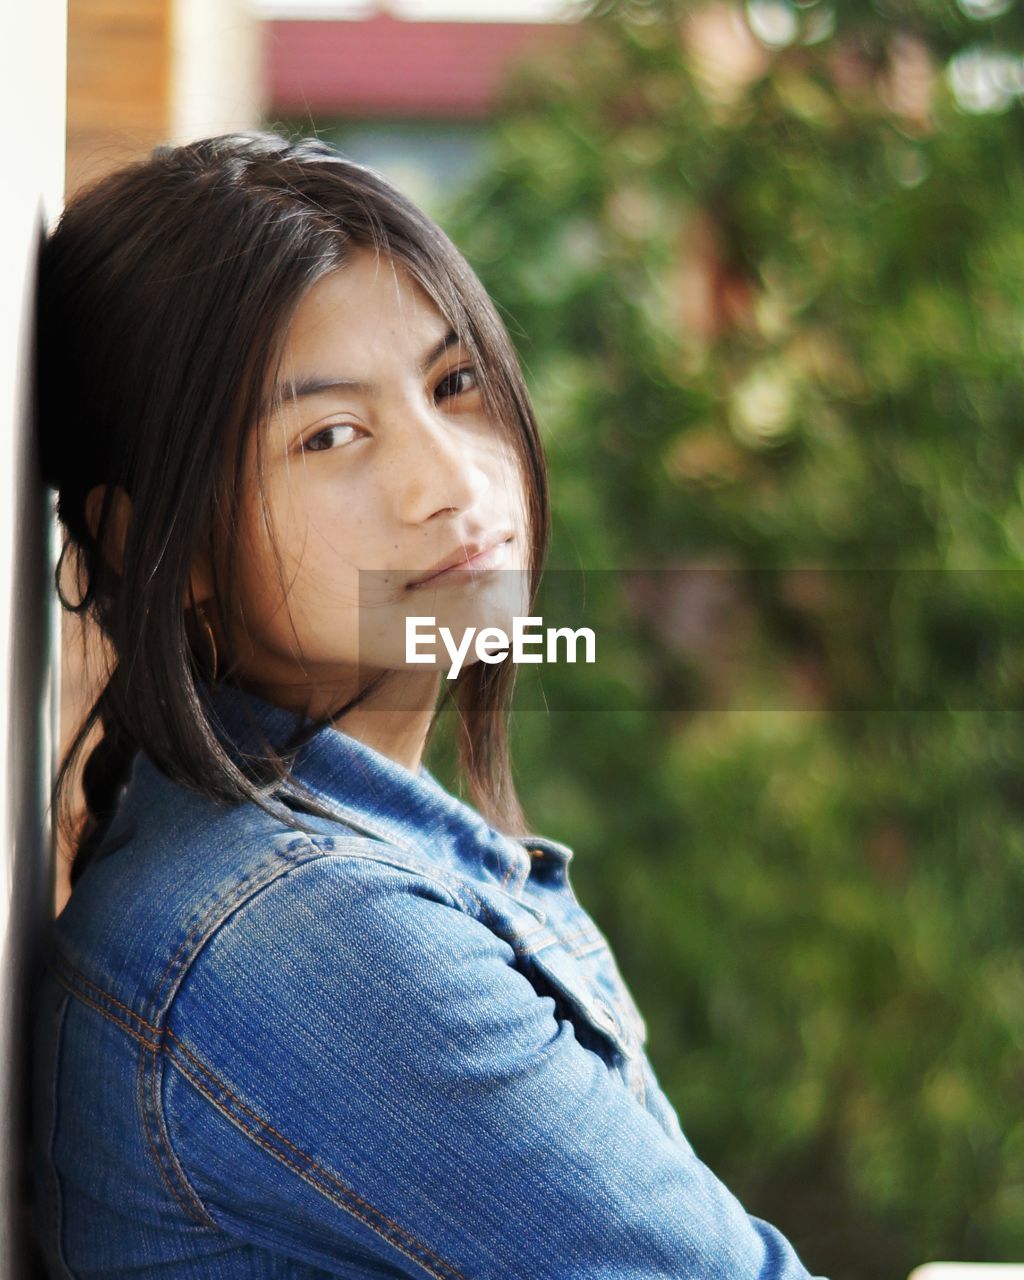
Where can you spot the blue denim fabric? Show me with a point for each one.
(394, 1046)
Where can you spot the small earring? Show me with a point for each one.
(213, 641)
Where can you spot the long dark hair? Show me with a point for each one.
(165, 292)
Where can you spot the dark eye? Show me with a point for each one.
(328, 437)
(457, 383)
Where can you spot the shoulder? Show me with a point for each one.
(178, 872)
(318, 915)
(352, 978)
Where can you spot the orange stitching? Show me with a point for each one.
(162, 1142)
(568, 937)
(593, 946)
(254, 880)
(75, 973)
(515, 865)
(140, 1094)
(446, 1271)
(590, 932)
(532, 933)
(188, 1210)
(107, 1013)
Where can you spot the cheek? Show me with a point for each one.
(292, 554)
(518, 509)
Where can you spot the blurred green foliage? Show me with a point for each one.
(770, 297)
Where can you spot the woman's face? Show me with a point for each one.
(380, 464)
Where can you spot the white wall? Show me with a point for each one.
(216, 68)
(32, 105)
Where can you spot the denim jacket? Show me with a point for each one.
(392, 1045)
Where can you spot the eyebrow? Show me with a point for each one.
(316, 384)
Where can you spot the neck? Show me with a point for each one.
(398, 733)
(394, 719)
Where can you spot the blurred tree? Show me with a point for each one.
(765, 263)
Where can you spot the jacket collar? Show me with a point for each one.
(373, 794)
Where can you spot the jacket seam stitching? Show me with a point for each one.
(433, 874)
(164, 1035)
(146, 1097)
(159, 1032)
(593, 946)
(314, 1173)
(591, 935)
(516, 866)
(359, 823)
(66, 982)
(222, 906)
(461, 893)
(140, 1089)
(442, 1270)
(643, 1085)
(168, 1038)
(161, 1140)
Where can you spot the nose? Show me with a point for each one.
(435, 467)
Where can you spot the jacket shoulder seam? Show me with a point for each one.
(385, 854)
(298, 853)
(149, 1032)
(155, 1037)
(275, 862)
(459, 889)
(73, 980)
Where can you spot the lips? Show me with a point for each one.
(466, 554)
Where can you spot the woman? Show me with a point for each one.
(306, 1013)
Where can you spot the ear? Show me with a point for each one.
(200, 585)
(199, 588)
(117, 521)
